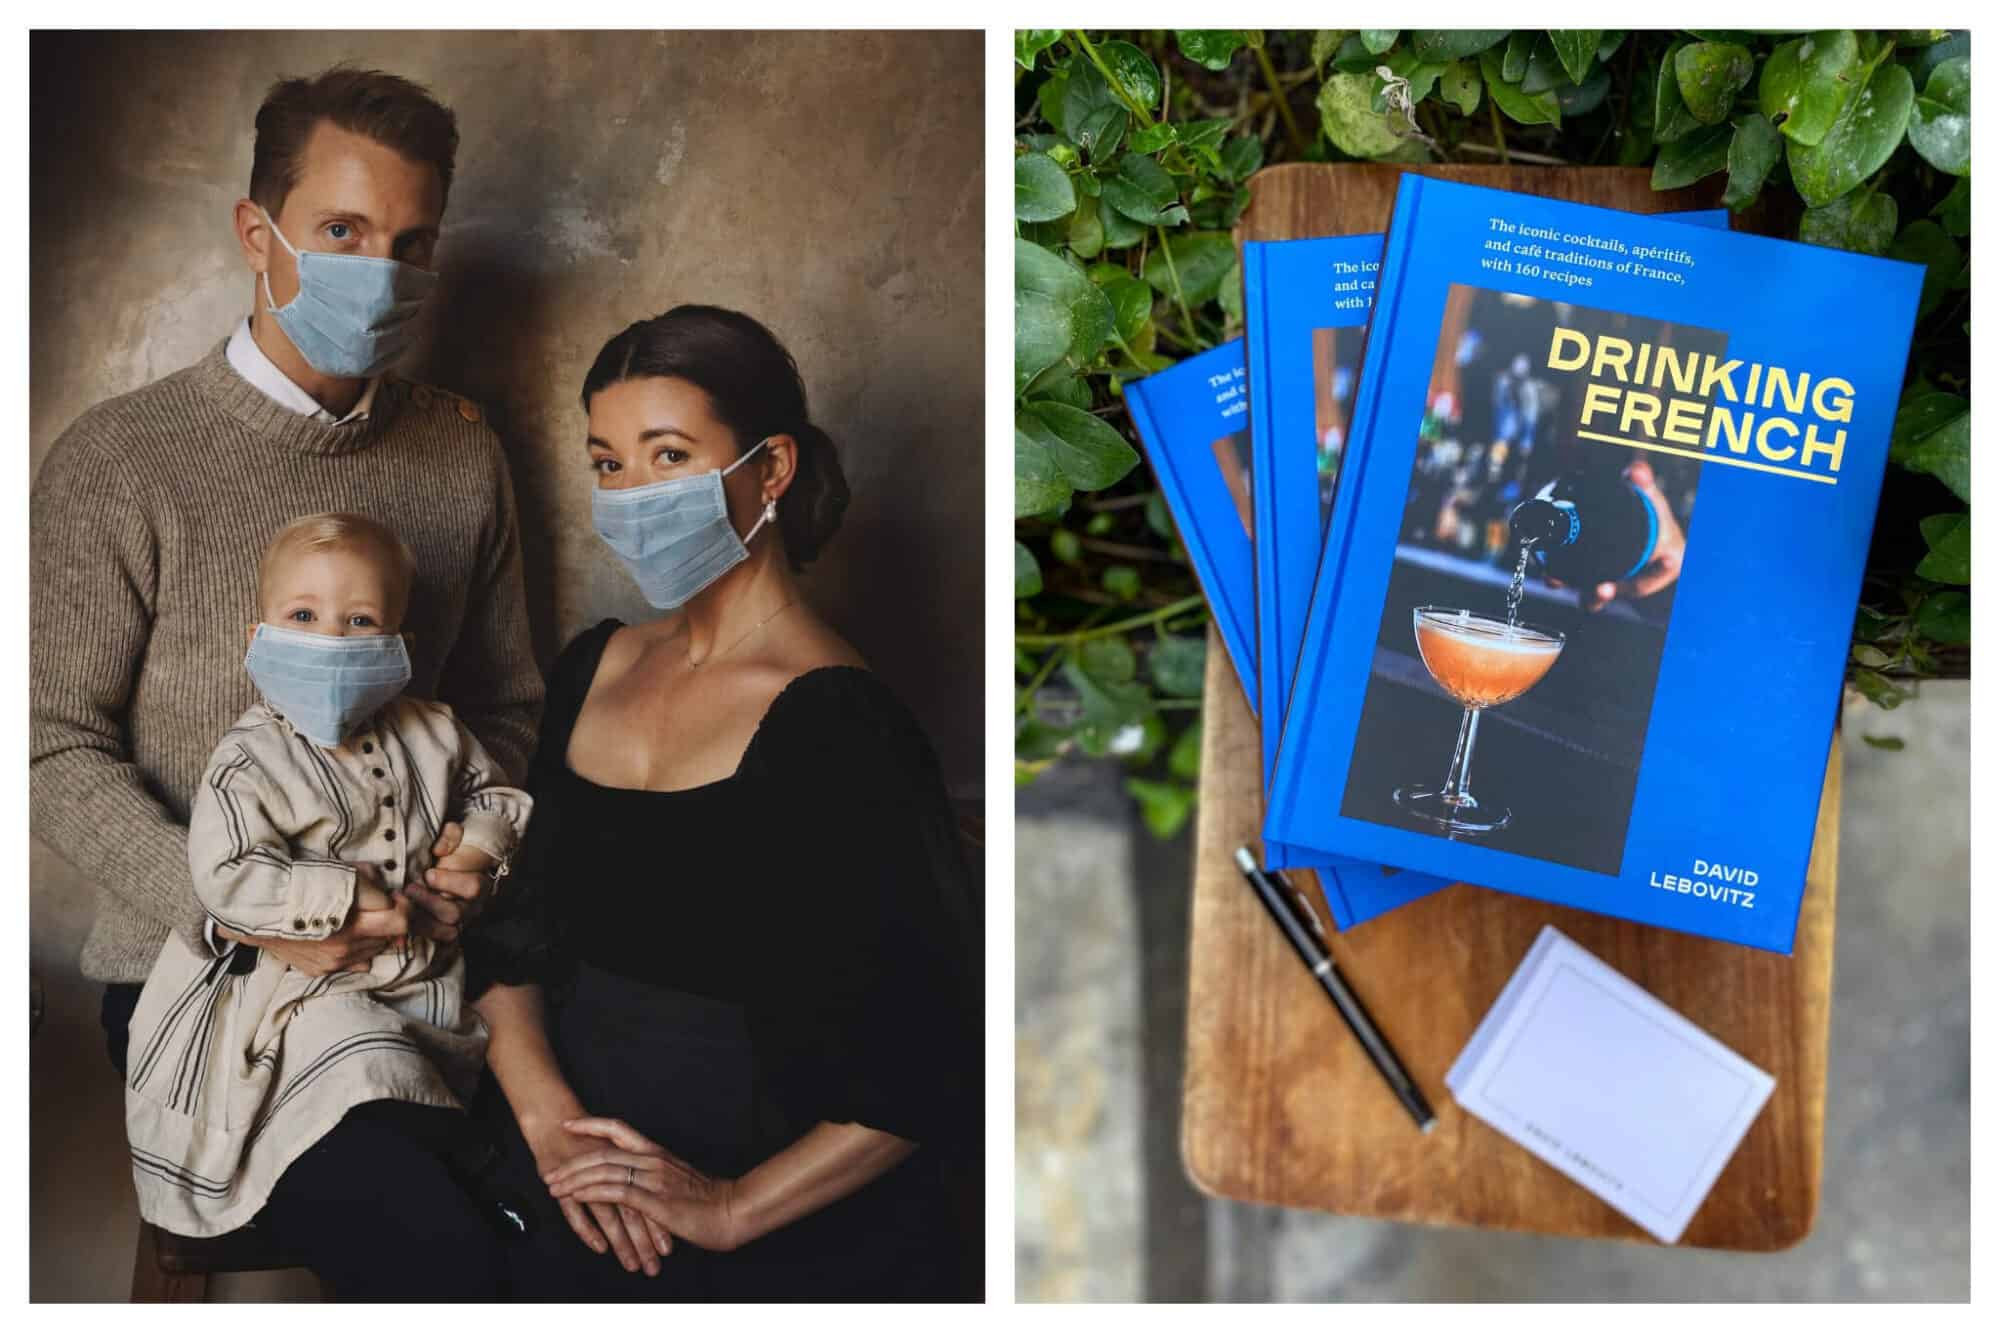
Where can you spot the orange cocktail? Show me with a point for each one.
(1481, 662)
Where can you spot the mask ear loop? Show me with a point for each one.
(271, 302)
(770, 506)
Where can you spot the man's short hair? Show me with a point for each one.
(341, 532)
(386, 108)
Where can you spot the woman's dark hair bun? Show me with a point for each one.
(753, 384)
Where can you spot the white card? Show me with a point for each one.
(1609, 1086)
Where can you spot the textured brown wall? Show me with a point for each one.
(828, 183)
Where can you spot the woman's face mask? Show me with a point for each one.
(354, 315)
(326, 684)
(674, 537)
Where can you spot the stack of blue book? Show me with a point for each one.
(1534, 532)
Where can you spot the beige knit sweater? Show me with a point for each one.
(146, 523)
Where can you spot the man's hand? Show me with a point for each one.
(452, 892)
(376, 922)
(1663, 569)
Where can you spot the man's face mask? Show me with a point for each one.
(354, 315)
(325, 684)
(674, 537)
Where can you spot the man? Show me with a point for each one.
(147, 518)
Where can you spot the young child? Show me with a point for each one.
(331, 791)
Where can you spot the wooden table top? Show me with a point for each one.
(1281, 1105)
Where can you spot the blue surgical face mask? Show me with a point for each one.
(354, 315)
(674, 536)
(324, 684)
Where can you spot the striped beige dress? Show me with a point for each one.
(234, 1070)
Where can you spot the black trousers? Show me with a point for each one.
(381, 1207)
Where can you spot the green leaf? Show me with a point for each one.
(1607, 45)
(1039, 487)
(1085, 93)
(1858, 221)
(1946, 617)
(1175, 663)
(1580, 99)
(1878, 689)
(1671, 117)
(1930, 57)
(1459, 85)
(1091, 454)
(1121, 581)
(1884, 742)
(1109, 659)
(1421, 77)
(1184, 760)
(1031, 42)
(1201, 258)
(1807, 81)
(1577, 49)
(1515, 55)
(1086, 230)
(1119, 230)
(1924, 242)
(1027, 572)
(1152, 138)
(1861, 139)
(1688, 159)
(1144, 192)
(1954, 211)
(1377, 40)
(1134, 69)
(1241, 157)
(1042, 192)
(1545, 72)
(1941, 120)
(1131, 299)
(1100, 132)
(1210, 48)
(1067, 302)
(1710, 74)
(1354, 58)
(1064, 546)
(1949, 537)
(1933, 434)
(1326, 42)
(1870, 656)
(1518, 106)
(1753, 150)
(1436, 47)
(1230, 294)
(1165, 806)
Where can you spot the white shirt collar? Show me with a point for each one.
(249, 361)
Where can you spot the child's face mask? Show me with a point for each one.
(324, 684)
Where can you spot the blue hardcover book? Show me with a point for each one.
(1306, 304)
(1599, 666)
(1193, 420)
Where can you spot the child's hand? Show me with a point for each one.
(369, 895)
(452, 853)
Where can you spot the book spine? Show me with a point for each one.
(1353, 476)
(1256, 344)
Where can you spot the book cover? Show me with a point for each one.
(1599, 667)
(1306, 305)
(1193, 423)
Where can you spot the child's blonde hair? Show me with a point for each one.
(341, 532)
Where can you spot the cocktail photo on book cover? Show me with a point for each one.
(1232, 459)
(1336, 357)
(1533, 584)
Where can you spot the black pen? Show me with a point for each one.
(1302, 929)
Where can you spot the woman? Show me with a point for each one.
(736, 966)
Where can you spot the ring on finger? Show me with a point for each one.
(631, 1173)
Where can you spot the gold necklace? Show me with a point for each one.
(696, 666)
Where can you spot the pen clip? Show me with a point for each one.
(1301, 910)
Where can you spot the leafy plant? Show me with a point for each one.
(1133, 153)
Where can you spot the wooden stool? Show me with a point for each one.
(174, 1270)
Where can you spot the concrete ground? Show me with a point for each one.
(1105, 1212)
